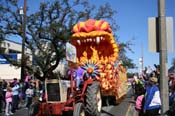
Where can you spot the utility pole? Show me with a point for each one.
(23, 13)
(163, 56)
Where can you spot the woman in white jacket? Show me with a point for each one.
(152, 103)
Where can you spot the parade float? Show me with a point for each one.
(96, 46)
(93, 47)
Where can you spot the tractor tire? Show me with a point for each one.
(33, 109)
(79, 110)
(93, 100)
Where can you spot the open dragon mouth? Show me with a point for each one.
(97, 52)
(94, 41)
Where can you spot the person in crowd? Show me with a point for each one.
(171, 82)
(157, 72)
(140, 102)
(152, 103)
(41, 90)
(34, 88)
(22, 90)
(8, 99)
(15, 91)
(138, 85)
(149, 70)
(27, 80)
(4, 87)
(171, 110)
(29, 95)
(22, 95)
(171, 96)
(79, 76)
(78, 73)
(1, 97)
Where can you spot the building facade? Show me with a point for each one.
(13, 50)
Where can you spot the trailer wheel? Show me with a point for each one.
(33, 109)
(105, 101)
(79, 110)
(93, 99)
(108, 100)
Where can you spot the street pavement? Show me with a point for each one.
(20, 112)
(125, 108)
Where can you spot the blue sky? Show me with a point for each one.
(132, 18)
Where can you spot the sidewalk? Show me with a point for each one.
(19, 112)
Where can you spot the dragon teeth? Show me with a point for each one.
(78, 41)
(97, 40)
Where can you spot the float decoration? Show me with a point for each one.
(91, 70)
(98, 52)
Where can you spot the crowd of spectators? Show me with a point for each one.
(147, 93)
(16, 94)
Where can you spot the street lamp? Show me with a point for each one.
(141, 64)
(141, 59)
(22, 12)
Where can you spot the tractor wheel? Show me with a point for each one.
(33, 109)
(93, 99)
(79, 110)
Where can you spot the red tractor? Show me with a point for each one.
(62, 98)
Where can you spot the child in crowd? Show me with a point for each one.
(29, 95)
(8, 98)
(140, 102)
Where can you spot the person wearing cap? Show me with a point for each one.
(152, 103)
(15, 92)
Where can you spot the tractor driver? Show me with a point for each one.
(78, 74)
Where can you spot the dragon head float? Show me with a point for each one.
(97, 51)
(94, 41)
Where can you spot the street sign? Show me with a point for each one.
(153, 35)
